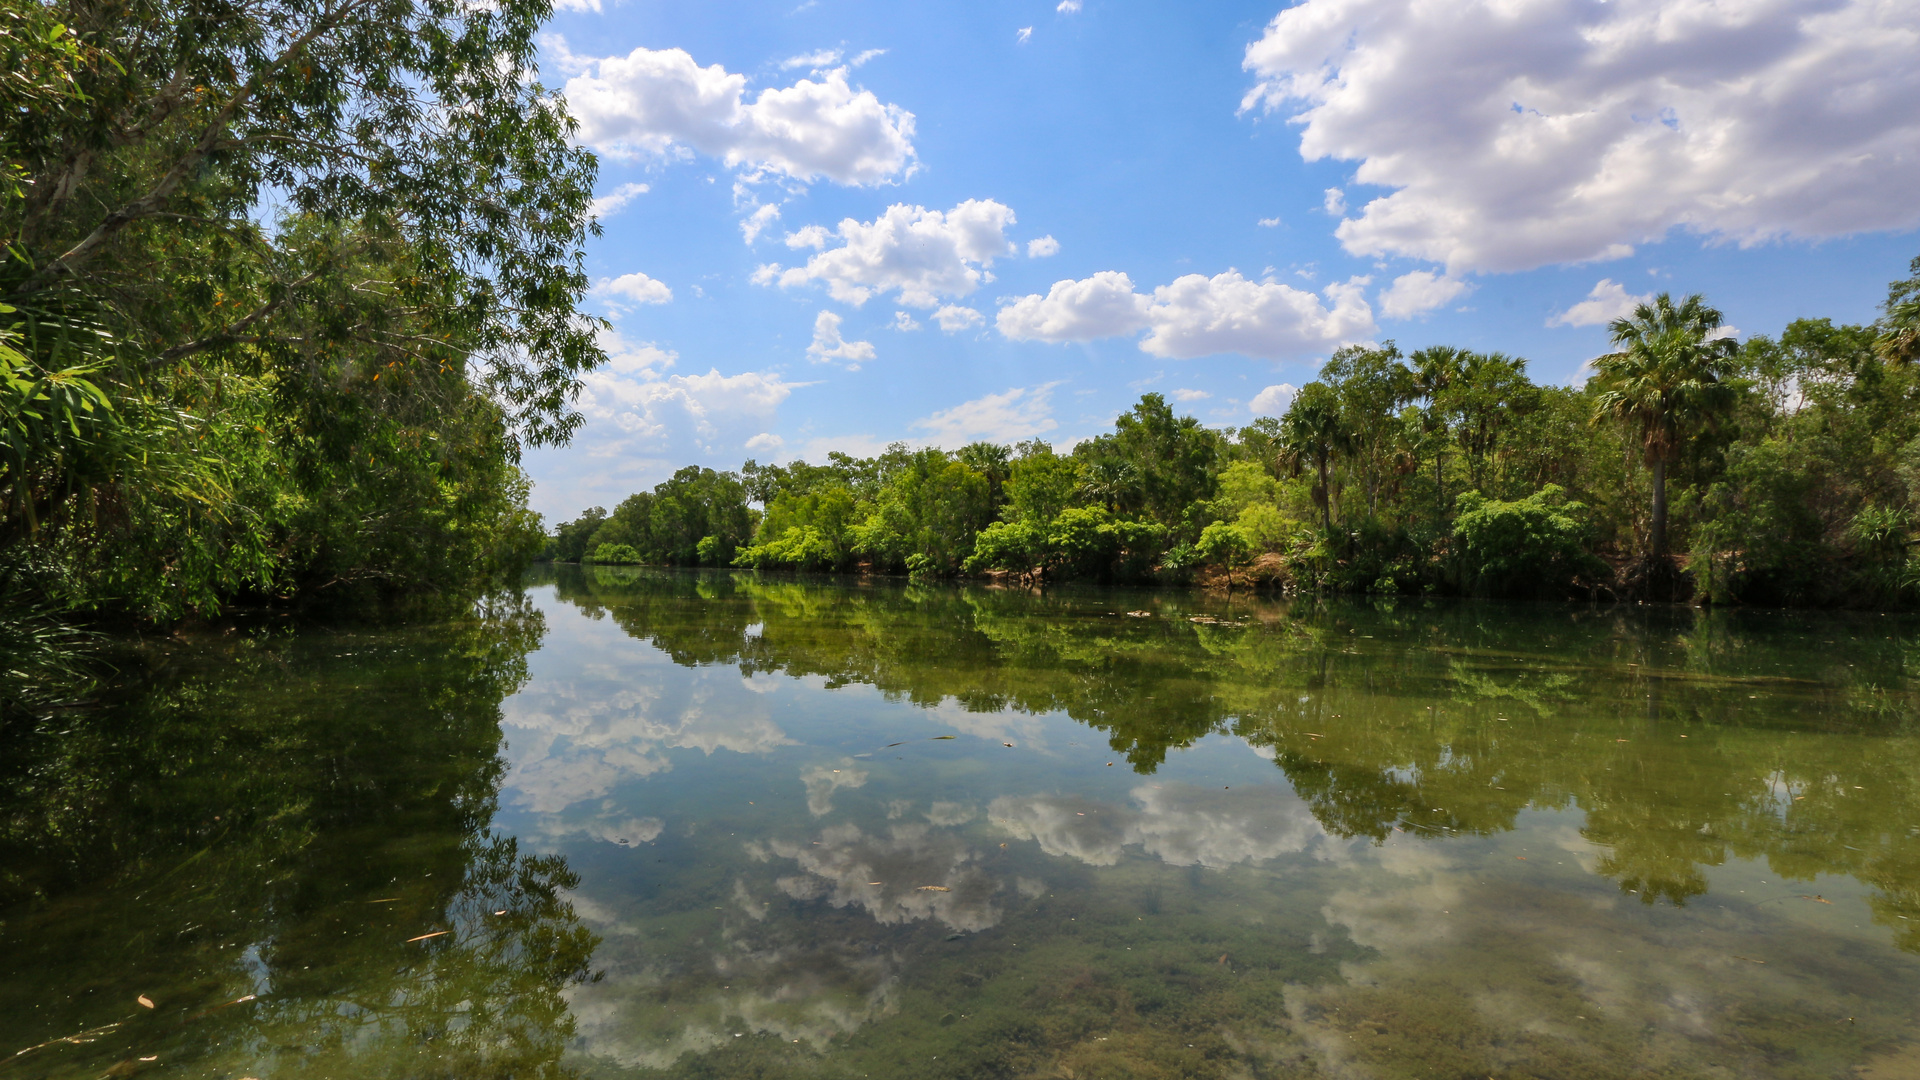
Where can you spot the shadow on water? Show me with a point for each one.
(247, 836)
(1685, 737)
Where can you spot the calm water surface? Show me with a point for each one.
(645, 823)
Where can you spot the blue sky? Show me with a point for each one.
(1050, 208)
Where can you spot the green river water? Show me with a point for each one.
(639, 823)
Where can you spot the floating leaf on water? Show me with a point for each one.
(937, 738)
(891, 745)
(1006, 744)
(145, 1000)
(424, 937)
(934, 888)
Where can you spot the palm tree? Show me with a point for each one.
(1314, 434)
(1435, 370)
(1665, 383)
(1900, 328)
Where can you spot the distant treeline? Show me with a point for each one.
(1778, 471)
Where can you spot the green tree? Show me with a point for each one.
(1900, 321)
(1665, 383)
(1314, 435)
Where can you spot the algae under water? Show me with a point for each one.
(654, 823)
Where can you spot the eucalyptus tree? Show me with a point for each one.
(1314, 435)
(1666, 383)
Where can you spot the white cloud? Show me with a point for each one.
(636, 287)
(660, 102)
(1199, 316)
(577, 5)
(829, 345)
(1068, 7)
(812, 236)
(1269, 223)
(1334, 202)
(754, 224)
(1420, 291)
(1606, 302)
(921, 254)
(953, 318)
(1043, 247)
(1103, 305)
(1020, 413)
(616, 200)
(1274, 400)
(1024, 35)
(866, 55)
(824, 58)
(1520, 133)
(765, 442)
(904, 322)
(1189, 395)
(1195, 315)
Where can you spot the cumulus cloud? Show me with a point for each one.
(828, 344)
(637, 287)
(1274, 400)
(616, 200)
(1269, 223)
(1190, 395)
(1519, 133)
(953, 318)
(1043, 247)
(1607, 301)
(1195, 315)
(1418, 292)
(659, 101)
(1024, 35)
(1103, 305)
(904, 322)
(755, 223)
(765, 442)
(921, 254)
(577, 5)
(1068, 7)
(1199, 316)
(1019, 413)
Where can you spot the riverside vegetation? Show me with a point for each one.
(287, 286)
(1775, 471)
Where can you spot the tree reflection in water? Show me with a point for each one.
(248, 834)
(1684, 737)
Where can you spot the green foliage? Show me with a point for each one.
(201, 405)
(1531, 547)
(616, 555)
(668, 524)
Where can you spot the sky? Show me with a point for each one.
(835, 224)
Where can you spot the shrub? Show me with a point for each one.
(1536, 546)
(616, 555)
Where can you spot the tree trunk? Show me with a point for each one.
(1440, 489)
(1659, 536)
(1326, 499)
